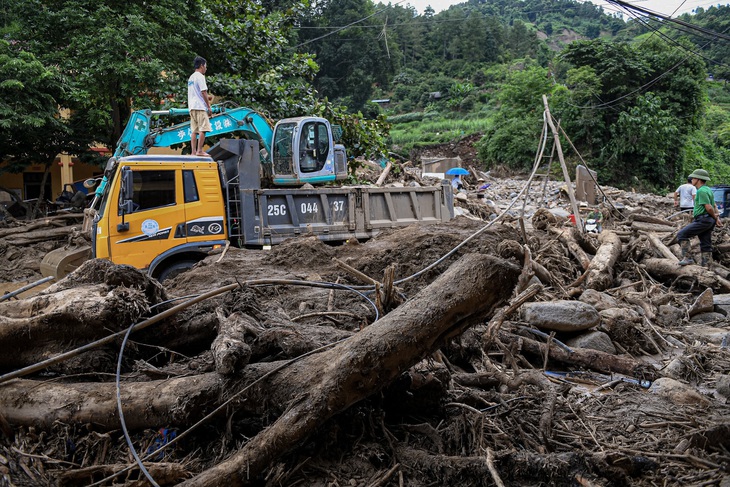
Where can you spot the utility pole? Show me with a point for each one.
(571, 194)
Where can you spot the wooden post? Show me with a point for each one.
(571, 194)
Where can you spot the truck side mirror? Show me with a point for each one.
(127, 186)
(126, 204)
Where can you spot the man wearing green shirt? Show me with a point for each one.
(705, 216)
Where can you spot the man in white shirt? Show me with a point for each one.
(684, 197)
(199, 106)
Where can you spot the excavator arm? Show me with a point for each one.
(139, 136)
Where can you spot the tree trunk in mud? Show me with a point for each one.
(566, 238)
(600, 270)
(319, 386)
(593, 359)
(29, 238)
(305, 393)
(44, 325)
(669, 270)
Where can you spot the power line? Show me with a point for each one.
(645, 11)
(346, 26)
(656, 79)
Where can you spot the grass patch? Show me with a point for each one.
(436, 129)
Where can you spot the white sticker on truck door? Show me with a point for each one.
(150, 227)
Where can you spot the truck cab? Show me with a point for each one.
(164, 213)
(721, 193)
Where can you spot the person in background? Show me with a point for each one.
(705, 218)
(684, 197)
(594, 220)
(199, 106)
(456, 183)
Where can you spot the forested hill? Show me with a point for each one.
(456, 43)
(631, 90)
(384, 41)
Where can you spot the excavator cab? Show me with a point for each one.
(304, 151)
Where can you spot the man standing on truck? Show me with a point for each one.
(705, 216)
(684, 197)
(199, 106)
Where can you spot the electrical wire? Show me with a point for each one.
(694, 27)
(195, 299)
(346, 26)
(121, 412)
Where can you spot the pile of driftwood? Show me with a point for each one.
(533, 353)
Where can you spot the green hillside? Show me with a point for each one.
(632, 94)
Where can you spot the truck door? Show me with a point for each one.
(315, 154)
(143, 230)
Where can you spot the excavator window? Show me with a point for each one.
(313, 147)
(153, 189)
(283, 148)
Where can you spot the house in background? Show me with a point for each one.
(65, 170)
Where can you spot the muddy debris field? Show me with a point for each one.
(503, 348)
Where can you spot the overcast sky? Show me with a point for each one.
(666, 7)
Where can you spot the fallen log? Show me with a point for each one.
(660, 247)
(230, 350)
(511, 248)
(384, 174)
(27, 238)
(593, 359)
(43, 325)
(566, 238)
(307, 392)
(666, 269)
(652, 227)
(96, 299)
(330, 382)
(163, 473)
(640, 217)
(177, 401)
(55, 221)
(600, 271)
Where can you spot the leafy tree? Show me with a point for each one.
(121, 56)
(579, 117)
(112, 54)
(29, 109)
(631, 131)
(512, 136)
(520, 40)
(643, 144)
(34, 132)
(256, 66)
(350, 60)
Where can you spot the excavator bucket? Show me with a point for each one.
(60, 262)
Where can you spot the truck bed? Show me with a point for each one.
(260, 217)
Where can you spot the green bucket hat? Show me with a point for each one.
(700, 174)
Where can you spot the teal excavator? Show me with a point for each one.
(294, 152)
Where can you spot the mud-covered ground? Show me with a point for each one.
(489, 414)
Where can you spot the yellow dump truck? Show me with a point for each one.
(164, 213)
